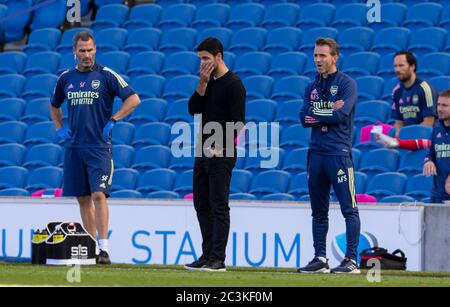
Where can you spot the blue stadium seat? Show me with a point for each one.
(143, 63)
(39, 86)
(66, 44)
(42, 63)
(390, 40)
(419, 186)
(397, 199)
(180, 87)
(36, 110)
(180, 39)
(445, 19)
(411, 163)
(379, 160)
(389, 86)
(278, 197)
(125, 179)
(427, 40)
(415, 132)
(14, 192)
(151, 134)
(183, 163)
(42, 40)
(242, 196)
(49, 14)
(14, 27)
(299, 185)
(386, 67)
(315, 15)
(245, 15)
(309, 37)
(183, 133)
(109, 16)
(248, 39)
(101, 3)
(287, 64)
(386, 184)
(178, 111)
(280, 15)
(110, 39)
(258, 86)
(12, 177)
(48, 177)
(260, 110)
(146, 39)
(372, 111)
(184, 182)
(40, 133)
(292, 87)
(11, 109)
(259, 163)
(122, 133)
(423, 15)
(11, 154)
(268, 182)
(149, 110)
(11, 85)
(12, 132)
(143, 16)
(282, 40)
(296, 160)
(163, 195)
(122, 155)
(240, 181)
(176, 16)
(305, 198)
(126, 194)
(42, 155)
(12, 62)
(229, 59)
(361, 64)
(67, 62)
(434, 64)
(350, 15)
(116, 60)
(369, 87)
(360, 182)
(440, 83)
(148, 86)
(252, 63)
(223, 34)
(295, 136)
(180, 63)
(151, 157)
(392, 15)
(288, 112)
(355, 39)
(210, 16)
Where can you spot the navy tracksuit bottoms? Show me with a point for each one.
(324, 171)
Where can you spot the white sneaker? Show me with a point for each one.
(385, 140)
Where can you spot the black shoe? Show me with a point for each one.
(214, 266)
(103, 258)
(347, 266)
(196, 265)
(315, 266)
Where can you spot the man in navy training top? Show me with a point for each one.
(89, 89)
(437, 162)
(329, 108)
(414, 103)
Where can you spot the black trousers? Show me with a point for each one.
(212, 177)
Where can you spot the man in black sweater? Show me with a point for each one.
(220, 99)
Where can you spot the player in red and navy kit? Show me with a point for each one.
(329, 108)
(89, 90)
(437, 162)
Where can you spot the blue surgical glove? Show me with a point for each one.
(64, 133)
(107, 130)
